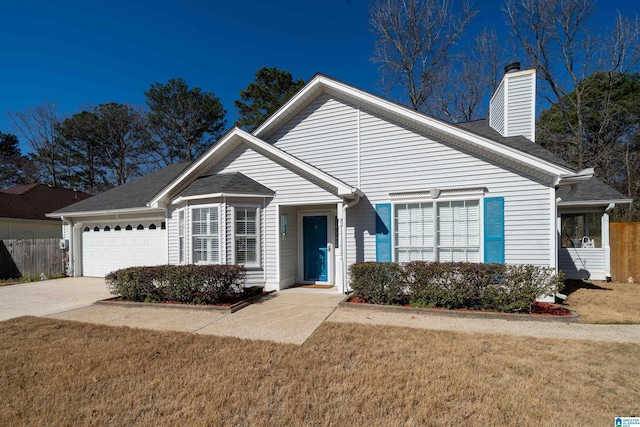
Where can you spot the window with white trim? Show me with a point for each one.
(181, 236)
(437, 231)
(247, 232)
(459, 231)
(205, 232)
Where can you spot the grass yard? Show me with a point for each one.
(63, 373)
(601, 302)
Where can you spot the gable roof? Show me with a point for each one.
(34, 201)
(232, 139)
(509, 152)
(134, 194)
(590, 193)
(225, 184)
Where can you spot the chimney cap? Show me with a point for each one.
(512, 68)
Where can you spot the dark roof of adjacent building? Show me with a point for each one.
(482, 128)
(590, 192)
(232, 183)
(33, 201)
(134, 194)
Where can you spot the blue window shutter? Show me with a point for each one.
(383, 232)
(494, 230)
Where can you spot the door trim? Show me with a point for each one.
(330, 241)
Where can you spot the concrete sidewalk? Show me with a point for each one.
(50, 296)
(530, 328)
(289, 316)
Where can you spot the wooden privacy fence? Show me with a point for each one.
(31, 257)
(625, 251)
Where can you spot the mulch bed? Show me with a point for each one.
(538, 309)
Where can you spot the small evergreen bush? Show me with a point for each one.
(379, 282)
(192, 284)
(473, 286)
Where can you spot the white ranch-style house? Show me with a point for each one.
(337, 176)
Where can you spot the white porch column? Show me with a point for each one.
(339, 254)
(605, 245)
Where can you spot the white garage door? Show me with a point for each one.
(109, 247)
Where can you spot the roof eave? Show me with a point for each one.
(322, 82)
(103, 212)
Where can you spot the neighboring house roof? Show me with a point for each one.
(134, 194)
(482, 128)
(592, 192)
(34, 201)
(225, 183)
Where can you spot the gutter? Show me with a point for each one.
(575, 178)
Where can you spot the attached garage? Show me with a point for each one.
(109, 247)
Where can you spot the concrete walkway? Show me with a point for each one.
(288, 316)
(50, 296)
(530, 328)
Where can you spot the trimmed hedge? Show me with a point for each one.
(494, 287)
(192, 284)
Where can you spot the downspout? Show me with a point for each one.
(71, 248)
(343, 231)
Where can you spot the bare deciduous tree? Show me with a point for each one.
(474, 76)
(560, 41)
(415, 40)
(39, 127)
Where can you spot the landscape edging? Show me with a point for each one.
(573, 318)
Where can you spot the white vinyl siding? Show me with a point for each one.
(205, 231)
(325, 122)
(290, 189)
(394, 157)
(512, 107)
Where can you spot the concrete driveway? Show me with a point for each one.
(50, 296)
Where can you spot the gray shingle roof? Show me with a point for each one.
(134, 194)
(590, 192)
(225, 183)
(482, 128)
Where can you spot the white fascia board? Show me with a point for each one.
(574, 178)
(595, 203)
(343, 189)
(106, 212)
(419, 118)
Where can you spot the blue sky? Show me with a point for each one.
(81, 53)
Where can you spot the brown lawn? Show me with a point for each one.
(601, 302)
(63, 373)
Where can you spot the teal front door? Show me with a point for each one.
(314, 242)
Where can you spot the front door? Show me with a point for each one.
(315, 252)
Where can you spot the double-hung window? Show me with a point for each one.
(459, 231)
(247, 242)
(181, 236)
(205, 235)
(438, 231)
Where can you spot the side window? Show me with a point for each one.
(247, 236)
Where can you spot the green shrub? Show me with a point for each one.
(193, 284)
(473, 286)
(379, 282)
